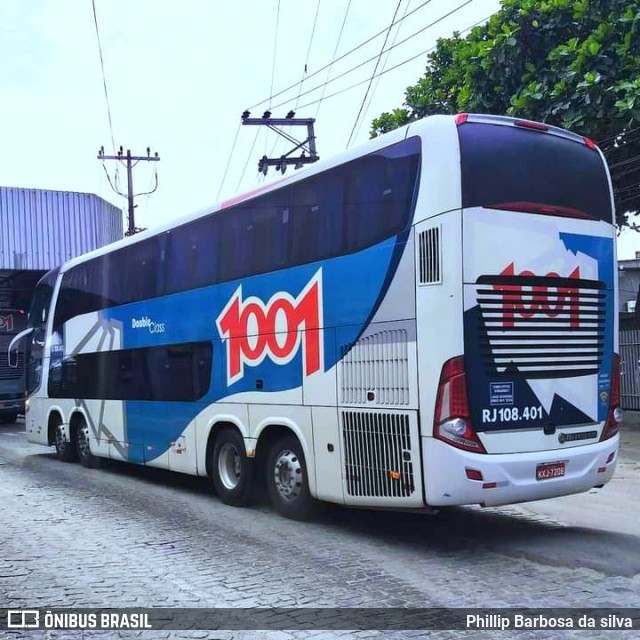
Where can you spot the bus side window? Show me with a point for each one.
(316, 227)
(112, 287)
(399, 180)
(194, 249)
(363, 201)
(305, 208)
(328, 223)
(233, 246)
(140, 270)
(267, 233)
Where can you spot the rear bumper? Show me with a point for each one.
(514, 474)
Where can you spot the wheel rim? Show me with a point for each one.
(83, 442)
(287, 474)
(229, 466)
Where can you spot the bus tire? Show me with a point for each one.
(232, 473)
(8, 418)
(83, 446)
(287, 480)
(65, 449)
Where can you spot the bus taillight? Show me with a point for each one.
(614, 418)
(451, 421)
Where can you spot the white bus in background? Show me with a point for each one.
(428, 320)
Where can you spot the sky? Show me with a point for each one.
(178, 77)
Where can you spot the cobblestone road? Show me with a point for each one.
(124, 536)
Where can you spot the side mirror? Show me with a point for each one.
(12, 351)
(39, 336)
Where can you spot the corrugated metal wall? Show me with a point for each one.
(630, 369)
(42, 229)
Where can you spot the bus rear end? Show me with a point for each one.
(530, 409)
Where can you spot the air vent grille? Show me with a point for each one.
(376, 369)
(429, 256)
(377, 450)
(11, 373)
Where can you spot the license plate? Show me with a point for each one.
(549, 470)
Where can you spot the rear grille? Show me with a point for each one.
(377, 454)
(11, 373)
(544, 326)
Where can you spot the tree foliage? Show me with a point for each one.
(570, 63)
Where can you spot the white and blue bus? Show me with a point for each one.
(428, 320)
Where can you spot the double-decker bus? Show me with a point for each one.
(428, 320)
(12, 374)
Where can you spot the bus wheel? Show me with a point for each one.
(287, 480)
(231, 471)
(9, 418)
(83, 446)
(65, 450)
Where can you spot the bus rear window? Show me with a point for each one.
(518, 169)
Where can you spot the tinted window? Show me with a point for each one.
(140, 271)
(39, 311)
(81, 291)
(317, 215)
(169, 373)
(512, 165)
(136, 272)
(192, 252)
(38, 317)
(340, 211)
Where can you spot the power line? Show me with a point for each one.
(275, 49)
(624, 163)
(623, 144)
(400, 64)
(384, 66)
(104, 79)
(233, 147)
(617, 135)
(628, 188)
(624, 174)
(364, 99)
(344, 55)
(306, 62)
(304, 71)
(630, 199)
(413, 35)
(246, 164)
(344, 20)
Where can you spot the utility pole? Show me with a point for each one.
(131, 161)
(308, 146)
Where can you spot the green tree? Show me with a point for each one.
(570, 63)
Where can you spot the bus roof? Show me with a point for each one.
(307, 171)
